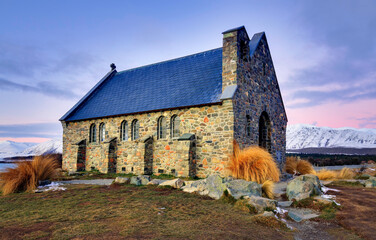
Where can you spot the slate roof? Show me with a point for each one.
(183, 82)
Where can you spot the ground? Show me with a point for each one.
(113, 212)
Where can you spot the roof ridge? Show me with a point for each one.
(170, 60)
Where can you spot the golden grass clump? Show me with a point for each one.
(305, 167)
(291, 164)
(253, 164)
(268, 189)
(325, 174)
(26, 175)
(346, 173)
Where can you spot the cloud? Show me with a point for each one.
(45, 88)
(369, 122)
(34, 130)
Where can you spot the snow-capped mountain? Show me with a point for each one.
(302, 136)
(48, 147)
(10, 148)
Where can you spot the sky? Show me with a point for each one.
(53, 52)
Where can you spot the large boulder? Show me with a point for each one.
(195, 186)
(140, 180)
(240, 188)
(175, 183)
(156, 182)
(371, 182)
(214, 187)
(122, 180)
(261, 204)
(303, 187)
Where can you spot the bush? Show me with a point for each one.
(253, 164)
(26, 175)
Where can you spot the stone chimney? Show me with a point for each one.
(235, 50)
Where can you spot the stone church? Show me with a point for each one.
(180, 116)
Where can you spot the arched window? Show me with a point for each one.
(93, 133)
(102, 132)
(265, 131)
(248, 126)
(135, 129)
(161, 128)
(174, 128)
(124, 131)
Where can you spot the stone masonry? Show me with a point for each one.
(214, 127)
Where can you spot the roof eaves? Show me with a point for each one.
(107, 76)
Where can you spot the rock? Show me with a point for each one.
(156, 182)
(214, 187)
(303, 187)
(371, 182)
(299, 215)
(122, 180)
(240, 188)
(323, 200)
(261, 204)
(284, 204)
(175, 183)
(44, 182)
(196, 186)
(140, 180)
(267, 214)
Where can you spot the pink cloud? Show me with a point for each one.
(34, 140)
(336, 114)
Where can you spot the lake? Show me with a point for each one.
(4, 166)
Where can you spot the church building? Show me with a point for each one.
(180, 116)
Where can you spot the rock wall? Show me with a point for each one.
(206, 154)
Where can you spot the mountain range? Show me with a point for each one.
(301, 138)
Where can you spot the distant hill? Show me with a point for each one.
(303, 138)
(48, 147)
(10, 148)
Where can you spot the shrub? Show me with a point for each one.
(325, 174)
(26, 175)
(253, 164)
(291, 163)
(305, 167)
(268, 189)
(346, 173)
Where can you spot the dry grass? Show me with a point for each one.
(291, 164)
(305, 167)
(253, 164)
(346, 173)
(268, 189)
(26, 175)
(325, 174)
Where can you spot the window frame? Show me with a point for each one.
(93, 133)
(124, 131)
(135, 133)
(102, 132)
(161, 128)
(174, 128)
(248, 125)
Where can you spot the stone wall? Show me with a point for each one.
(207, 154)
(257, 92)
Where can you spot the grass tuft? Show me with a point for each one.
(291, 164)
(305, 167)
(253, 164)
(325, 174)
(26, 175)
(346, 173)
(267, 189)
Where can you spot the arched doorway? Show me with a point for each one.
(265, 132)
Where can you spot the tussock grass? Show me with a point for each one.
(291, 164)
(346, 173)
(268, 189)
(305, 167)
(325, 174)
(26, 175)
(253, 164)
(297, 166)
